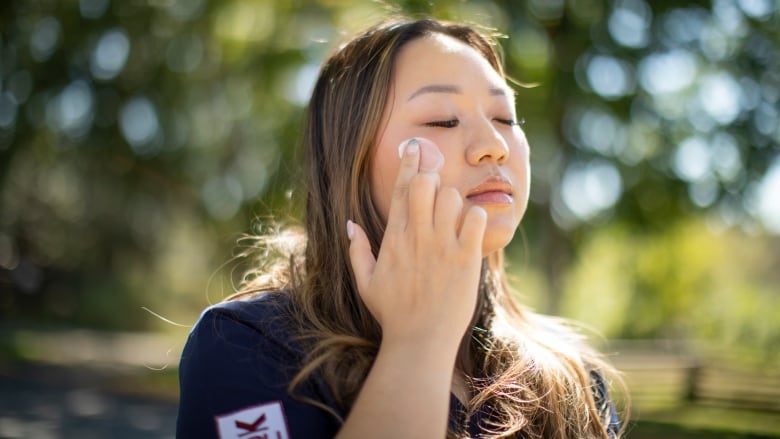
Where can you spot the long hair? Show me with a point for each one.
(531, 373)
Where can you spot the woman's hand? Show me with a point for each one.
(423, 286)
(423, 290)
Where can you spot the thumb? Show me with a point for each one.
(360, 256)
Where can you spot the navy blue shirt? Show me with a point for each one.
(235, 369)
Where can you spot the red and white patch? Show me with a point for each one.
(265, 421)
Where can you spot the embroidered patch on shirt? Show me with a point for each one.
(265, 421)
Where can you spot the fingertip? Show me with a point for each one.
(480, 212)
(355, 233)
(360, 256)
(476, 213)
(409, 147)
(474, 223)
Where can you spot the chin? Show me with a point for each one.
(496, 238)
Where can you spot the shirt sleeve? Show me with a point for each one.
(233, 378)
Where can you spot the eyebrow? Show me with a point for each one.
(454, 89)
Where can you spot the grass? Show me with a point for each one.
(662, 430)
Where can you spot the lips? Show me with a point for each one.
(494, 190)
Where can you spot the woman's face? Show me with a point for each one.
(446, 91)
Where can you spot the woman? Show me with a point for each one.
(396, 319)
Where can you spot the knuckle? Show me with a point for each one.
(390, 246)
(399, 192)
(419, 182)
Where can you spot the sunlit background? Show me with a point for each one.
(140, 140)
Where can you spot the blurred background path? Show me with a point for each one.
(51, 402)
(87, 384)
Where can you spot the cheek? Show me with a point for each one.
(454, 170)
(521, 168)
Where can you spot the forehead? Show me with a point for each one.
(437, 56)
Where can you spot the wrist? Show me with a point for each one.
(430, 349)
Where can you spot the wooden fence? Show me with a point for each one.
(662, 374)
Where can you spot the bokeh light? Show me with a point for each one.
(140, 126)
(72, 111)
(110, 54)
(629, 23)
(44, 38)
(589, 189)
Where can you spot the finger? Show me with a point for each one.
(431, 159)
(422, 194)
(410, 161)
(472, 230)
(360, 256)
(447, 211)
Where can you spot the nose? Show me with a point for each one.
(487, 144)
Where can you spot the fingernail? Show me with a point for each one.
(411, 146)
(350, 229)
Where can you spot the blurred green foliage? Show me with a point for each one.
(140, 139)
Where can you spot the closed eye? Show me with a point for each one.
(510, 122)
(443, 123)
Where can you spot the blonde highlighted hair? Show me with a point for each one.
(533, 373)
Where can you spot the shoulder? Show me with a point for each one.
(266, 317)
(238, 361)
(243, 330)
(256, 312)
